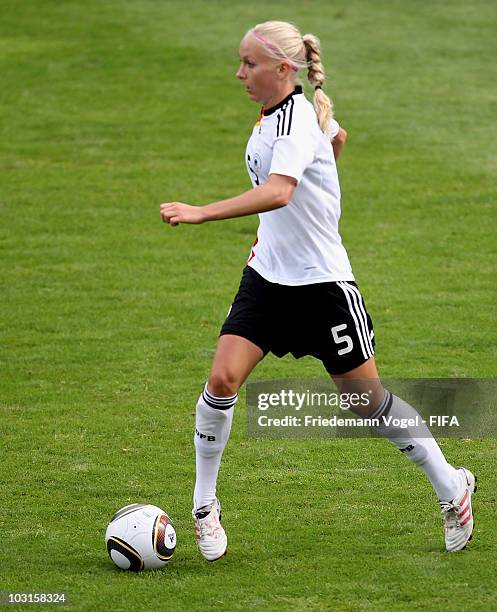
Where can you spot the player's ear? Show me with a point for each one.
(283, 70)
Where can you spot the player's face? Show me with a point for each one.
(258, 72)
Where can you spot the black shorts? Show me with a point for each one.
(326, 320)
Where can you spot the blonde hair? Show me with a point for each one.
(283, 41)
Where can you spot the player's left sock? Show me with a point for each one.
(418, 445)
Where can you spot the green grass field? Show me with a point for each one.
(109, 318)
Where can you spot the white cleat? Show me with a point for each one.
(211, 537)
(458, 514)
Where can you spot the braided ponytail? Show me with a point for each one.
(316, 77)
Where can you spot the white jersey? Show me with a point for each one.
(298, 244)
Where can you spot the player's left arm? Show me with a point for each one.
(275, 193)
(338, 142)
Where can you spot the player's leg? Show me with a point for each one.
(416, 443)
(349, 358)
(234, 359)
(241, 345)
(453, 487)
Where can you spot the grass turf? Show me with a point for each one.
(109, 319)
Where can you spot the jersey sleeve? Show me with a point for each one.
(334, 128)
(292, 154)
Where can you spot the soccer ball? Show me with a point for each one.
(140, 536)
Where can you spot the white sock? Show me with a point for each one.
(418, 445)
(212, 430)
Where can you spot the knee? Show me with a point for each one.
(223, 383)
(364, 397)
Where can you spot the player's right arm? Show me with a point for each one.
(273, 194)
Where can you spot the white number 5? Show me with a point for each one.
(341, 339)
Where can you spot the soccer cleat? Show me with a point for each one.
(211, 537)
(458, 514)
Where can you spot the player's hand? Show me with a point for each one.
(178, 212)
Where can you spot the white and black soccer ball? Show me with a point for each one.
(140, 537)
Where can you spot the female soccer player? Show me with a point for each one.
(297, 292)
